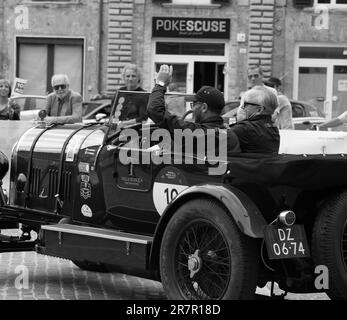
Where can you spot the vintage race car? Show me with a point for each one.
(115, 198)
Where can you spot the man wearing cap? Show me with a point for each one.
(63, 104)
(207, 106)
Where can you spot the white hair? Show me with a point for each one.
(60, 76)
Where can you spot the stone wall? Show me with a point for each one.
(261, 39)
(120, 44)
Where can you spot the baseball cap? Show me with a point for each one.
(211, 96)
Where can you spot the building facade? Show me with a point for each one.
(207, 41)
(40, 38)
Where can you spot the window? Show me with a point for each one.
(39, 58)
(330, 2)
(323, 53)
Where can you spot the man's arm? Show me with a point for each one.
(335, 122)
(156, 105)
(331, 123)
(157, 112)
(49, 104)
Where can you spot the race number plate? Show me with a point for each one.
(286, 242)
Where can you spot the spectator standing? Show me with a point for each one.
(9, 110)
(256, 78)
(63, 105)
(282, 116)
(132, 78)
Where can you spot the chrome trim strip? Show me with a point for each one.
(94, 232)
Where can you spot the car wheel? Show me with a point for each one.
(204, 255)
(329, 244)
(91, 266)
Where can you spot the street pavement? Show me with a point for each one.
(31, 276)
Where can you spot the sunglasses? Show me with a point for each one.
(59, 86)
(245, 104)
(194, 104)
(255, 76)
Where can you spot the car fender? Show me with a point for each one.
(241, 208)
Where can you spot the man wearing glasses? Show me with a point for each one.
(63, 104)
(254, 127)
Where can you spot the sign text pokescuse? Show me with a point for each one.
(191, 27)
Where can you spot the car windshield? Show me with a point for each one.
(30, 103)
(133, 105)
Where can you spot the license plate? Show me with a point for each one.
(286, 242)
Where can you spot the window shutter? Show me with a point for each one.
(302, 3)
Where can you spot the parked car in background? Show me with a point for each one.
(304, 114)
(30, 105)
(96, 110)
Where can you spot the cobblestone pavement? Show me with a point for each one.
(52, 278)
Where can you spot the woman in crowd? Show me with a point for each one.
(9, 110)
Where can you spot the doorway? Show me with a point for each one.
(195, 64)
(208, 74)
(320, 78)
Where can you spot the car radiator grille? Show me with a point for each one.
(36, 188)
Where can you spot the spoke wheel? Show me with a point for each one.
(329, 244)
(203, 261)
(205, 256)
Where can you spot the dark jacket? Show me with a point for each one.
(157, 112)
(257, 135)
(11, 112)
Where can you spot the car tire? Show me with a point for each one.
(329, 244)
(204, 255)
(91, 266)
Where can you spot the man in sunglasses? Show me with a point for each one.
(254, 127)
(63, 104)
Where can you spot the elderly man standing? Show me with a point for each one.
(63, 105)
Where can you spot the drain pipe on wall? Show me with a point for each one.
(101, 37)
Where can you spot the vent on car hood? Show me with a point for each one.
(38, 182)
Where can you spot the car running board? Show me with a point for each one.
(121, 250)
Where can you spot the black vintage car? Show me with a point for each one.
(205, 236)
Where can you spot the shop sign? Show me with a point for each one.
(190, 28)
